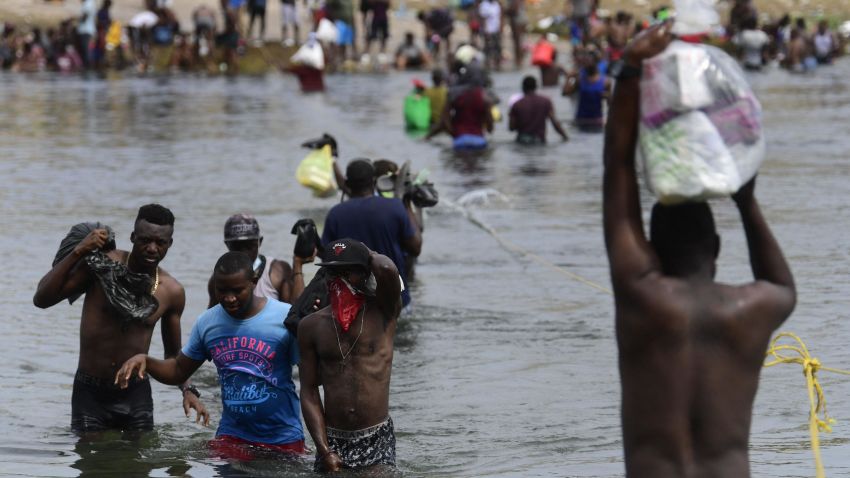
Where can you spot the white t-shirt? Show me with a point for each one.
(823, 45)
(752, 42)
(491, 12)
(86, 27)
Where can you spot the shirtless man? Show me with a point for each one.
(347, 348)
(690, 349)
(106, 340)
(275, 278)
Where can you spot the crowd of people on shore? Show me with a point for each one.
(218, 34)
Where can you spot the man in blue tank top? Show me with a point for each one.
(245, 338)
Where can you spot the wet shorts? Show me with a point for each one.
(98, 404)
(235, 448)
(362, 448)
(469, 142)
(345, 34)
(529, 139)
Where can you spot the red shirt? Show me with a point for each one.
(470, 110)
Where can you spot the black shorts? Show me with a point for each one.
(380, 30)
(363, 448)
(97, 404)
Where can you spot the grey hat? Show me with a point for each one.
(241, 227)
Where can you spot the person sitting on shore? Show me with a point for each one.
(409, 55)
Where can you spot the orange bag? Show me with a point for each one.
(543, 54)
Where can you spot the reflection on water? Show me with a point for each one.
(507, 366)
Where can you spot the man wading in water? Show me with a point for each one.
(690, 349)
(347, 348)
(126, 294)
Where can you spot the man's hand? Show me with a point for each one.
(136, 362)
(190, 401)
(649, 43)
(94, 241)
(330, 462)
(746, 192)
(305, 260)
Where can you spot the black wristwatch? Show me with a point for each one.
(191, 388)
(622, 70)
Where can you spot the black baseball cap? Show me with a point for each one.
(241, 227)
(346, 252)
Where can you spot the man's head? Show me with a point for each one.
(233, 283)
(438, 77)
(242, 234)
(823, 26)
(360, 177)
(750, 23)
(529, 85)
(684, 237)
(348, 259)
(151, 236)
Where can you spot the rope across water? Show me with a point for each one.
(817, 400)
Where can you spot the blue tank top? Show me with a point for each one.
(590, 96)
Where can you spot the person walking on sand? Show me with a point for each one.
(690, 348)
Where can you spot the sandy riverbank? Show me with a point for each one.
(51, 11)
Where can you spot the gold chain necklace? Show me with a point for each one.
(339, 344)
(155, 278)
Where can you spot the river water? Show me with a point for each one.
(507, 366)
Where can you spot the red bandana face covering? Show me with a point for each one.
(345, 303)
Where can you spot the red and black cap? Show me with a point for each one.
(346, 252)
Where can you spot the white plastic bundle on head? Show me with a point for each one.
(700, 133)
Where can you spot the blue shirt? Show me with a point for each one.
(254, 358)
(380, 223)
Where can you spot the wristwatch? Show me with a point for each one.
(191, 388)
(622, 70)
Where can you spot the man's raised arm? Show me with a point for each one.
(766, 258)
(68, 276)
(629, 252)
(388, 291)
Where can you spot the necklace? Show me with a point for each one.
(155, 278)
(339, 344)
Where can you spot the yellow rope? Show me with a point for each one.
(817, 400)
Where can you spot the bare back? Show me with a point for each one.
(690, 358)
(356, 394)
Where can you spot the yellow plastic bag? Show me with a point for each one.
(496, 113)
(113, 35)
(316, 171)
